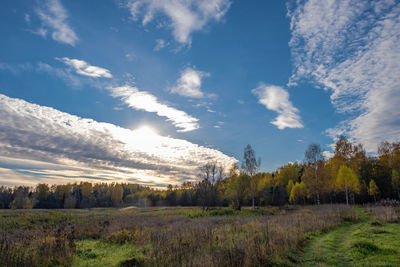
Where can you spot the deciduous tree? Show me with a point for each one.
(373, 189)
(238, 189)
(396, 182)
(347, 181)
(251, 165)
(313, 157)
(117, 194)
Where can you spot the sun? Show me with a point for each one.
(146, 131)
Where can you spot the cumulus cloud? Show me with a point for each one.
(83, 68)
(352, 48)
(47, 145)
(183, 16)
(277, 99)
(54, 17)
(142, 100)
(189, 84)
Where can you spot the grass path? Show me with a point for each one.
(364, 243)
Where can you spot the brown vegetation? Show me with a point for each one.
(164, 237)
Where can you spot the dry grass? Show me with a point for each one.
(384, 214)
(165, 240)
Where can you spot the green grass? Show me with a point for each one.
(97, 253)
(366, 243)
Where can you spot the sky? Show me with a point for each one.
(148, 91)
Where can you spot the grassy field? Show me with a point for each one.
(329, 235)
(372, 241)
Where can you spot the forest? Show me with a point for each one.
(350, 176)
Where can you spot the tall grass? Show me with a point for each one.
(222, 238)
(384, 214)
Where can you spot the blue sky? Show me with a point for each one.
(169, 85)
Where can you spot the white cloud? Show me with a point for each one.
(277, 99)
(47, 145)
(160, 44)
(327, 154)
(352, 48)
(54, 17)
(184, 16)
(83, 68)
(189, 84)
(141, 100)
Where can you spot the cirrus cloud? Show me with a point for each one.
(352, 49)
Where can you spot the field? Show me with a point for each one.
(328, 235)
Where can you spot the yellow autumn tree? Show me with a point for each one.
(291, 171)
(373, 189)
(299, 191)
(347, 181)
(289, 187)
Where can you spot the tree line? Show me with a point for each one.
(350, 176)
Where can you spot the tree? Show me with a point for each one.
(396, 182)
(70, 201)
(289, 187)
(5, 197)
(373, 189)
(313, 156)
(237, 189)
(234, 170)
(290, 172)
(21, 198)
(299, 190)
(211, 173)
(250, 165)
(117, 194)
(344, 150)
(42, 191)
(264, 189)
(347, 181)
(86, 192)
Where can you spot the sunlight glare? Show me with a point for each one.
(145, 131)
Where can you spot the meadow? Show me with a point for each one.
(187, 236)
